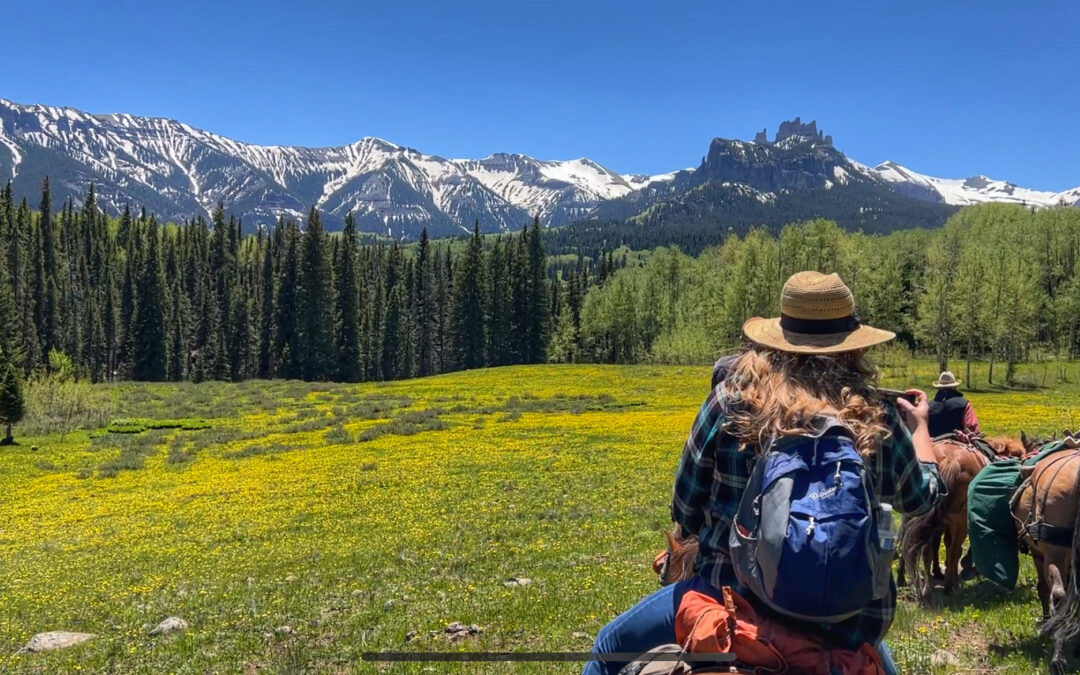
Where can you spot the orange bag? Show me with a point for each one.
(704, 625)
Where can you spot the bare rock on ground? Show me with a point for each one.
(517, 581)
(458, 631)
(944, 659)
(56, 639)
(170, 625)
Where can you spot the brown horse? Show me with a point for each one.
(676, 563)
(958, 461)
(1046, 509)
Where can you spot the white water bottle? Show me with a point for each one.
(886, 533)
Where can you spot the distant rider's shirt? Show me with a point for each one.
(949, 412)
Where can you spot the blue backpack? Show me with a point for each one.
(805, 538)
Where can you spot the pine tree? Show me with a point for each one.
(222, 266)
(12, 403)
(149, 347)
(538, 310)
(8, 338)
(39, 292)
(396, 344)
(426, 310)
(265, 368)
(287, 349)
(315, 324)
(519, 310)
(395, 318)
(467, 326)
(348, 312)
(444, 295)
(377, 328)
(499, 307)
(49, 320)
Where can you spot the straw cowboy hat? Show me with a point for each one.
(947, 380)
(817, 316)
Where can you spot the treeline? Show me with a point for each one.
(128, 298)
(707, 215)
(997, 282)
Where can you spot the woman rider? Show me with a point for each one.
(809, 363)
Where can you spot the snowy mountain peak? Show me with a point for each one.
(964, 191)
(177, 170)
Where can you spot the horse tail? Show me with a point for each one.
(922, 531)
(918, 534)
(1064, 621)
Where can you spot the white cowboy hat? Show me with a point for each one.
(947, 380)
(817, 316)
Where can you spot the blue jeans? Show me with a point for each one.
(651, 623)
(648, 624)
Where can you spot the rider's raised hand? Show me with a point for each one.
(916, 415)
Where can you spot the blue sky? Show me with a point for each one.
(948, 88)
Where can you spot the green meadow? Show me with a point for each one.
(295, 526)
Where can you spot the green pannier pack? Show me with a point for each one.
(991, 531)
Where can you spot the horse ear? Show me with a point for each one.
(1024, 439)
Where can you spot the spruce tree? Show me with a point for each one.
(426, 310)
(500, 304)
(348, 312)
(12, 403)
(265, 367)
(287, 350)
(149, 346)
(377, 329)
(538, 312)
(395, 317)
(315, 303)
(518, 261)
(467, 326)
(49, 301)
(222, 266)
(8, 339)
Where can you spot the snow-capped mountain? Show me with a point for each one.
(965, 191)
(177, 171)
(797, 176)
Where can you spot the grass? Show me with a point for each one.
(357, 514)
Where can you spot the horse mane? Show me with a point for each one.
(681, 554)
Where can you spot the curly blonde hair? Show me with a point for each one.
(783, 394)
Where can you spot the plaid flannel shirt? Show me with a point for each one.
(713, 473)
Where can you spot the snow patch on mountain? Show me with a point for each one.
(966, 191)
(181, 170)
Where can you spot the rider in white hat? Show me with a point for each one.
(950, 411)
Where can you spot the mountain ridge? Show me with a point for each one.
(176, 171)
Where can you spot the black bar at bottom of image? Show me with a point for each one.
(521, 657)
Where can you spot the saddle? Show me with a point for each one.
(972, 441)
